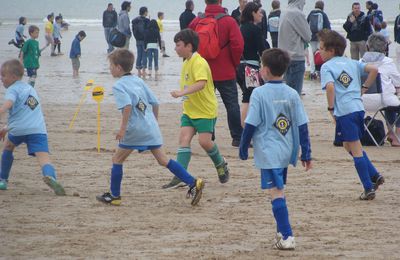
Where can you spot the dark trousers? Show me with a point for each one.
(229, 95)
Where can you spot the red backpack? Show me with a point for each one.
(207, 29)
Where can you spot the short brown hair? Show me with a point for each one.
(319, 5)
(13, 67)
(332, 41)
(32, 29)
(277, 60)
(275, 4)
(188, 36)
(123, 58)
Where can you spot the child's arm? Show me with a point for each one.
(247, 135)
(126, 112)
(4, 108)
(155, 111)
(372, 73)
(305, 146)
(199, 85)
(330, 95)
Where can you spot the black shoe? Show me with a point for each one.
(174, 183)
(235, 143)
(368, 195)
(165, 55)
(107, 198)
(377, 181)
(223, 172)
(11, 42)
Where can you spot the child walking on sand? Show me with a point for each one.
(30, 54)
(199, 106)
(139, 128)
(278, 125)
(340, 77)
(75, 52)
(25, 125)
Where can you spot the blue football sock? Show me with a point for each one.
(48, 170)
(371, 168)
(181, 173)
(7, 159)
(362, 169)
(281, 215)
(116, 179)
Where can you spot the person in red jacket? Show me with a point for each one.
(223, 67)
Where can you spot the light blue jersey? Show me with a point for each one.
(276, 111)
(57, 31)
(25, 116)
(19, 32)
(345, 74)
(142, 129)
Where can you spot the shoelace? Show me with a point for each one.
(191, 192)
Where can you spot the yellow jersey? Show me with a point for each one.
(203, 103)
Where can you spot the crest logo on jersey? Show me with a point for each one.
(141, 106)
(345, 79)
(186, 76)
(32, 102)
(282, 123)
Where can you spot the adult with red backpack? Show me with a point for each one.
(222, 49)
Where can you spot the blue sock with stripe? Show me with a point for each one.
(48, 170)
(281, 215)
(181, 173)
(116, 179)
(7, 159)
(371, 168)
(362, 169)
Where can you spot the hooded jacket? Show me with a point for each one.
(124, 23)
(294, 30)
(231, 41)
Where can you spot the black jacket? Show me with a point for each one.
(152, 36)
(253, 41)
(110, 18)
(236, 14)
(359, 30)
(397, 29)
(185, 18)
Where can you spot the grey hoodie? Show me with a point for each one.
(124, 23)
(294, 30)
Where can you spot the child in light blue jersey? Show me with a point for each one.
(139, 128)
(25, 125)
(57, 35)
(19, 34)
(341, 78)
(277, 123)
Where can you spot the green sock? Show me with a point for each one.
(215, 156)
(183, 157)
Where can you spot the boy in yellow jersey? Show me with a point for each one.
(199, 105)
(160, 17)
(49, 29)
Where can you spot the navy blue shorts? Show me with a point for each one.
(350, 127)
(31, 72)
(35, 142)
(140, 148)
(273, 178)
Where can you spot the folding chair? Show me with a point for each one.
(379, 108)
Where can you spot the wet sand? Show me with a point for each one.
(232, 221)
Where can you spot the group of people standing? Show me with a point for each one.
(148, 35)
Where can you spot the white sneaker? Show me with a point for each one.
(277, 237)
(287, 244)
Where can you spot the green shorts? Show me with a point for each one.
(202, 125)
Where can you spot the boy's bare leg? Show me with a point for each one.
(120, 155)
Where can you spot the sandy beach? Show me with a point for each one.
(232, 221)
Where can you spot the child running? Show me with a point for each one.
(19, 34)
(340, 77)
(199, 105)
(30, 54)
(277, 123)
(25, 125)
(139, 128)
